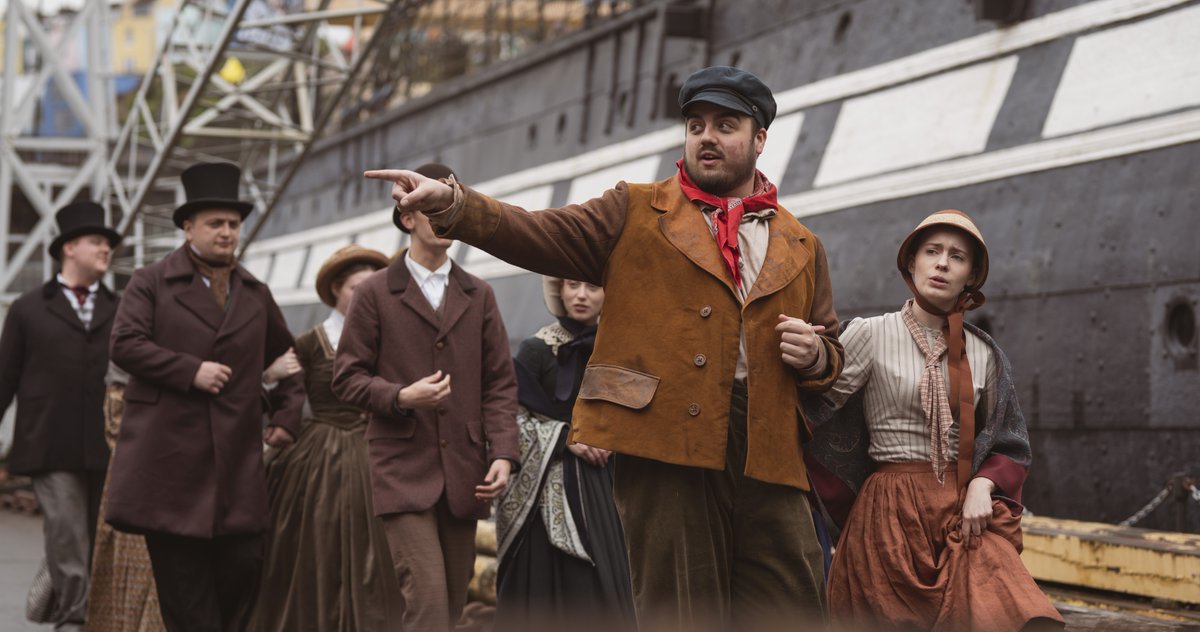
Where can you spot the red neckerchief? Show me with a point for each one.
(728, 216)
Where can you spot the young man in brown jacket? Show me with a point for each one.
(195, 332)
(439, 455)
(718, 314)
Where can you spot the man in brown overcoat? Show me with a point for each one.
(53, 355)
(195, 333)
(425, 350)
(718, 314)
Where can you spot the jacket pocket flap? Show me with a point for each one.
(626, 387)
(391, 428)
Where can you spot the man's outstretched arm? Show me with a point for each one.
(571, 242)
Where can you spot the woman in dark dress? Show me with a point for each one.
(561, 548)
(327, 566)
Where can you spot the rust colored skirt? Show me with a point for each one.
(901, 563)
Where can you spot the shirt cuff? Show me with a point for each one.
(446, 216)
(819, 364)
(269, 386)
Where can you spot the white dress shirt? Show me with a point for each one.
(432, 282)
(84, 311)
(333, 327)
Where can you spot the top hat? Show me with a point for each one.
(429, 170)
(951, 219)
(211, 185)
(340, 260)
(731, 88)
(79, 219)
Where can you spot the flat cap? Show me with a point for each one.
(731, 88)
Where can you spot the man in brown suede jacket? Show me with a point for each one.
(718, 314)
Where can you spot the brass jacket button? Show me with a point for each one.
(694, 409)
(700, 360)
(705, 311)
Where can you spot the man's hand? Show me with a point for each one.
(212, 377)
(284, 366)
(593, 456)
(426, 392)
(799, 341)
(277, 437)
(495, 482)
(977, 509)
(414, 192)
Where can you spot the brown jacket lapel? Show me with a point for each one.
(457, 298)
(786, 256)
(401, 282)
(683, 225)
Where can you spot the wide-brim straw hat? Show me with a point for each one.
(340, 260)
(952, 219)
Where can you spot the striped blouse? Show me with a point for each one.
(883, 358)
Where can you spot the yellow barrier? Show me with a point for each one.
(1156, 564)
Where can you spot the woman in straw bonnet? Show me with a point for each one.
(921, 452)
(327, 567)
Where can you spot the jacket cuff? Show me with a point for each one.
(1007, 474)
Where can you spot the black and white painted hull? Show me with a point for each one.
(1071, 138)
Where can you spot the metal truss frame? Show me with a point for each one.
(49, 184)
(296, 74)
(186, 112)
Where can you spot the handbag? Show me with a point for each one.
(39, 603)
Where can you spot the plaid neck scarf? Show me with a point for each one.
(217, 273)
(934, 398)
(728, 216)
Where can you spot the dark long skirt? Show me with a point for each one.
(540, 586)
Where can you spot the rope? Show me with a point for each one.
(1153, 504)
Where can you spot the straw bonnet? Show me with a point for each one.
(953, 219)
(345, 257)
(552, 294)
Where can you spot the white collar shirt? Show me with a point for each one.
(432, 282)
(333, 327)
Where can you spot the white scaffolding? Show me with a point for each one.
(244, 81)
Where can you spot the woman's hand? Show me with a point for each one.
(977, 509)
(593, 456)
(284, 366)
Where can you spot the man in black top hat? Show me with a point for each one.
(53, 356)
(195, 332)
(718, 314)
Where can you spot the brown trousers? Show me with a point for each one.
(715, 550)
(433, 553)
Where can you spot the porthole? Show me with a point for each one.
(1181, 326)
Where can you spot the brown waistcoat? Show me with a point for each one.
(659, 382)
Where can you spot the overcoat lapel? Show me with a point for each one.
(684, 227)
(456, 300)
(57, 304)
(196, 297)
(785, 256)
(104, 308)
(244, 305)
